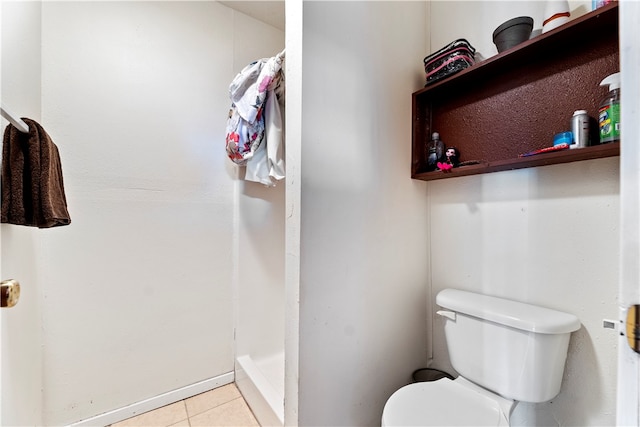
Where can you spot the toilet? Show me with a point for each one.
(504, 351)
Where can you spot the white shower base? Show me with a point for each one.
(261, 382)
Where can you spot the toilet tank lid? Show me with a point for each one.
(515, 314)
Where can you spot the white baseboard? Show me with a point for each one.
(155, 402)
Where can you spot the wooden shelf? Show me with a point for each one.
(516, 101)
(553, 158)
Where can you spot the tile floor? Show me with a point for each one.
(223, 406)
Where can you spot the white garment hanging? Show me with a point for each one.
(274, 132)
(268, 159)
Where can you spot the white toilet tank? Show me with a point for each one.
(514, 349)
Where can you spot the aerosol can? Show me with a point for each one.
(609, 111)
(435, 152)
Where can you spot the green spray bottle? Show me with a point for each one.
(609, 111)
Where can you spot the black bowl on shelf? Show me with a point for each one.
(513, 32)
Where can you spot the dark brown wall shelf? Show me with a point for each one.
(516, 101)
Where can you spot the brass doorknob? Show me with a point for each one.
(633, 327)
(9, 293)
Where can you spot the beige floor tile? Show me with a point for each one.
(210, 399)
(232, 414)
(161, 417)
(184, 423)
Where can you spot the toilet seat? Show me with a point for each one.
(441, 403)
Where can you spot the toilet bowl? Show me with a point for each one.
(504, 352)
(446, 402)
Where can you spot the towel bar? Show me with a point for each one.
(16, 121)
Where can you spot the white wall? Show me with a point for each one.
(363, 245)
(21, 325)
(132, 94)
(476, 20)
(260, 329)
(259, 257)
(628, 393)
(547, 236)
(138, 289)
(260, 226)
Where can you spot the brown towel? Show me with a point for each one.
(32, 186)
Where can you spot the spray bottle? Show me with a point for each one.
(435, 152)
(609, 111)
